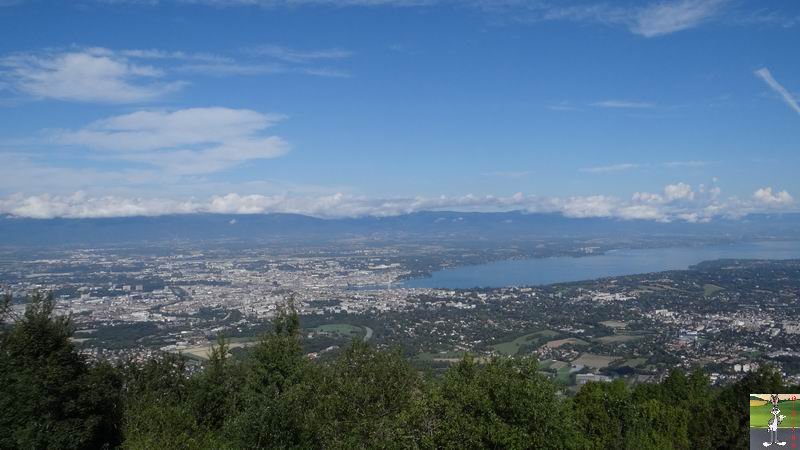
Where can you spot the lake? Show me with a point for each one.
(538, 271)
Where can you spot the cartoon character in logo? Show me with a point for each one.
(773, 423)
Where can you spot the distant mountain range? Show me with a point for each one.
(456, 225)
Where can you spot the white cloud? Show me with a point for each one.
(787, 97)
(300, 56)
(647, 197)
(89, 75)
(591, 206)
(159, 54)
(187, 141)
(767, 197)
(647, 19)
(679, 191)
(102, 75)
(250, 69)
(610, 168)
(687, 164)
(641, 212)
(663, 18)
(679, 202)
(672, 193)
(657, 18)
(623, 104)
(79, 205)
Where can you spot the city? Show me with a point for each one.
(725, 316)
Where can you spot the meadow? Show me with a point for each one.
(760, 414)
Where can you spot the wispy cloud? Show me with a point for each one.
(183, 142)
(89, 75)
(773, 84)
(154, 53)
(653, 19)
(510, 173)
(663, 18)
(300, 56)
(631, 166)
(686, 164)
(623, 104)
(102, 75)
(562, 106)
(610, 168)
(649, 19)
(332, 3)
(252, 69)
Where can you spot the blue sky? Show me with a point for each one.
(665, 110)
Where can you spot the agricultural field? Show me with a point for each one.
(634, 362)
(559, 342)
(594, 361)
(617, 338)
(511, 348)
(709, 289)
(202, 351)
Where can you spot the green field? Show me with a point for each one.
(546, 363)
(450, 357)
(559, 342)
(201, 352)
(709, 289)
(760, 415)
(614, 323)
(563, 375)
(595, 361)
(634, 362)
(616, 338)
(511, 348)
(342, 329)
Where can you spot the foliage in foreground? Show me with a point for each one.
(52, 397)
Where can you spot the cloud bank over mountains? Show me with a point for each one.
(677, 202)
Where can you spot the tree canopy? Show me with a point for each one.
(51, 396)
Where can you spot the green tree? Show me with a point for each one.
(504, 403)
(215, 392)
(159, 412)
(366, 398)
(279, 390)
(602, 413)
(50, 397)
(732, 409)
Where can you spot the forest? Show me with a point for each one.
(53, 397)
